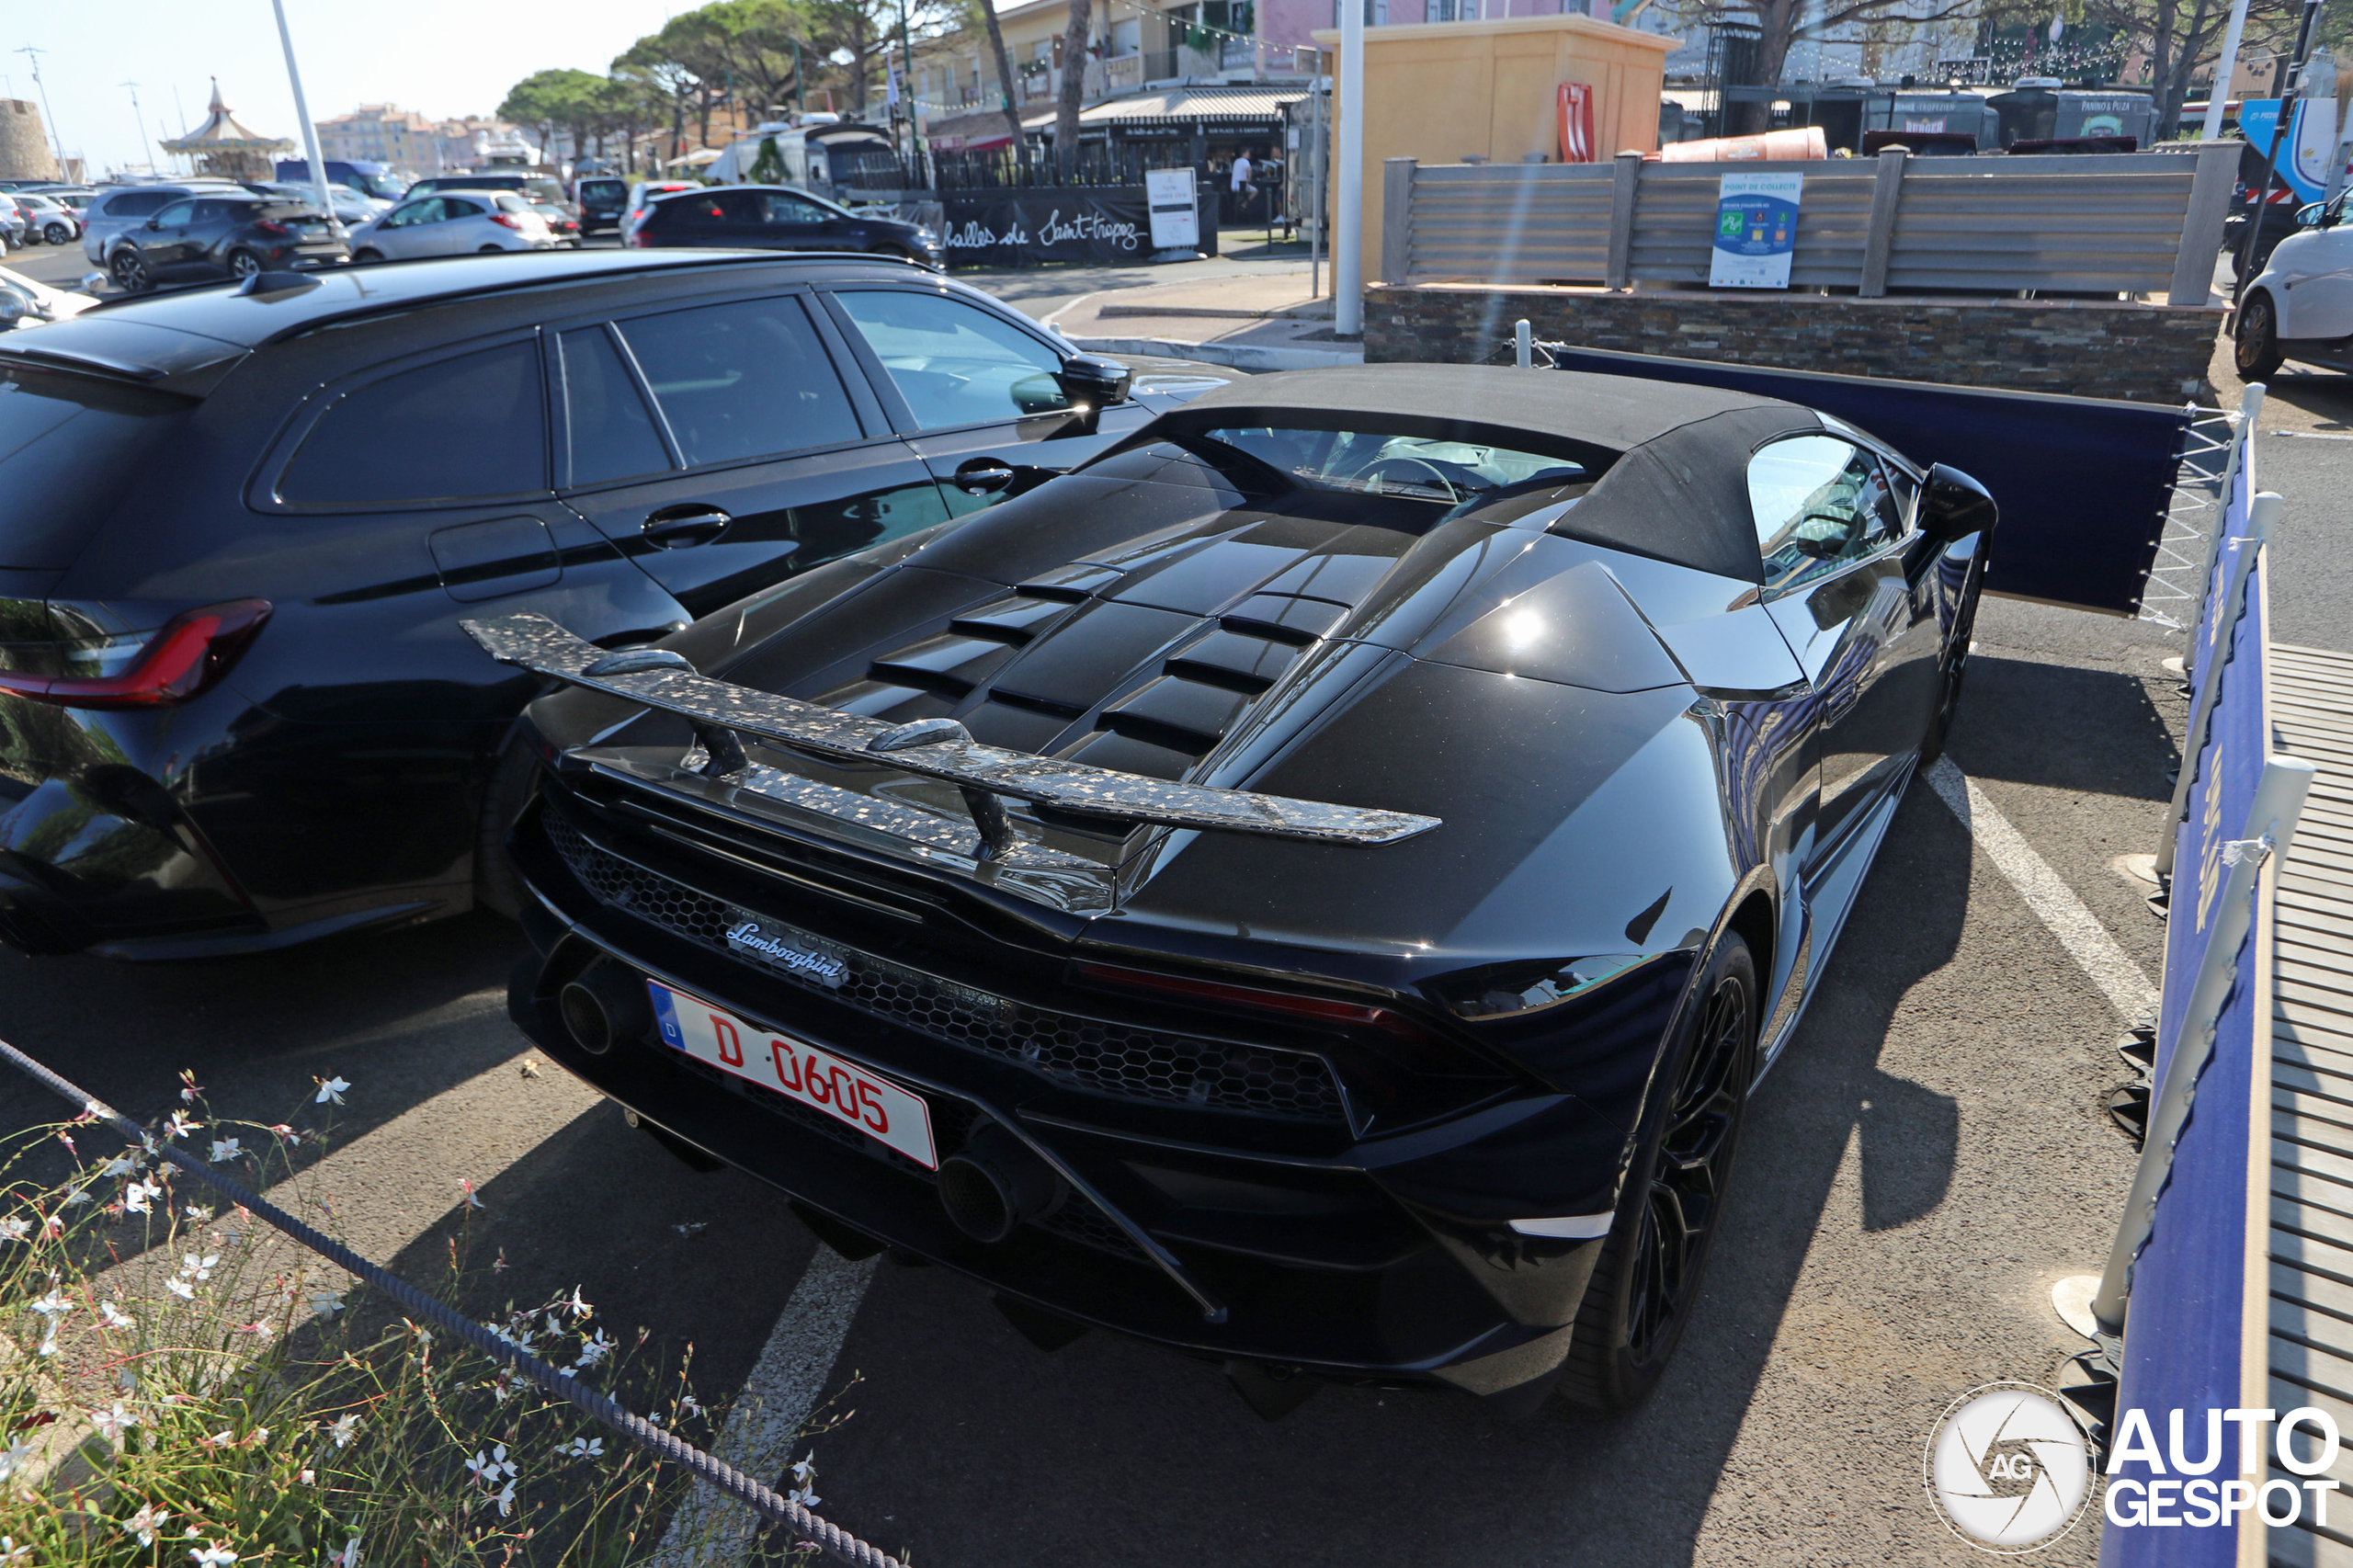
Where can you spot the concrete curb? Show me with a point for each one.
(1239, 356)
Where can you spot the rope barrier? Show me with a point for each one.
(830, 1538)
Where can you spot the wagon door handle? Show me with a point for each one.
(984, 476)
(675, 527)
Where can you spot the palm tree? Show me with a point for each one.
(1082, 22)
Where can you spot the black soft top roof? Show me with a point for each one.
(1678, 490)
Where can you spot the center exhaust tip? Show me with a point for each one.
(996, 1182)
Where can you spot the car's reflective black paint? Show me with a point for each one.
(1673, 760)
(334, 777)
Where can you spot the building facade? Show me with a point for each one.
(403, 139)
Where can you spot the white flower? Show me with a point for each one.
(224, 1439)
(55, 1303)
(136, 1197)
(112, 1316)
(11, 1553)
(111, 1422)
(49, 1345)
(347, 1558)
(488, 1468)
(120, 1165)
(805, 1470)
(180, 1288)
(325, 1302)
(803, 1495)
(576, 1305)
(181, 1125)
(224, 1149)
(145, 1523)
(467, 1188)
(198, 1214)
(344, 1425)
(594, 1349)
(690, 1404)
(583, 1449)
(257, 1328)
(14, 1460)
(197, 1268)
(506, 1500)
(214, 1556)
(329, 1089)
(14, 1230)
(75, 1195)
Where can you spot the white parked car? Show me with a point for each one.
(24, 303)
(2301, 305)
(452, 222)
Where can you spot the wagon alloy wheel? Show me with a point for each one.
(2256, 353)
(243, 264)
(1694, 1162)
(129, 271)
(56, 234)
(1649, 1273)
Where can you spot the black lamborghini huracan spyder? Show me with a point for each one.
(1312, 887)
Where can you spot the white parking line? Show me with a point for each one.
(2078, 930)
(710, 1530)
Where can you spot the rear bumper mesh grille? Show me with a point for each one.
(1087, 1053)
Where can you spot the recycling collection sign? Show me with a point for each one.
(1757, 231)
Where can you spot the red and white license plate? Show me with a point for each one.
(876, 1106)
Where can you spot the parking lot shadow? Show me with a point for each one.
(2066, 727)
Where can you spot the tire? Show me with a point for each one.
(491, 250)
(1643, 1291)
(2255, 349)
(243, 264)
(56, 234)
(129, 270)
(513, 777)
(367, 255)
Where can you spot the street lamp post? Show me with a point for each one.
(1347, 246)
(302, 113)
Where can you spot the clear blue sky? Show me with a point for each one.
(439, 57)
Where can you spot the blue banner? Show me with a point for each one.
(2183, 1335)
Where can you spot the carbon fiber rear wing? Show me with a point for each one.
(932, 748)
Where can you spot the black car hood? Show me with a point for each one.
(1146, 615)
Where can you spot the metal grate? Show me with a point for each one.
(1087, 1053)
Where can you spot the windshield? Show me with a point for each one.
(382, 186)
(1428, 468)
(603, 190)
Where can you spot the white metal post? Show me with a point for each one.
(2270, 823)
(302, 113)
(1321, 158)
(2225, 69)
(1523, 345)
(1347, 247)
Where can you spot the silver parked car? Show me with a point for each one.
(452, 222)
(47, 219)
(14, 222)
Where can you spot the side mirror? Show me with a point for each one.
(12, 311)
(92, 282)
(155, 222)
(1955, 506)
(2312, 215)
(1096, 382)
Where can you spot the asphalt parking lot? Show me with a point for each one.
(1927, 1159)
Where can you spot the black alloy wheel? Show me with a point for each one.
(2256, 353)
(1648, 1278)
(56, 234)
(243, 264)
(366, 255)
(129, 270)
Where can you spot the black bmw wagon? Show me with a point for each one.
(242, 524)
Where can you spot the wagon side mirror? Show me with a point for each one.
(1099, 383)
(1955, 507)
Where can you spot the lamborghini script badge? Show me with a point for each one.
(752, 942)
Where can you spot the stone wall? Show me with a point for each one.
(24, 144)
(2149, 352)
